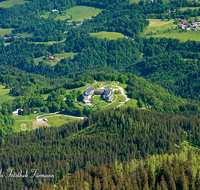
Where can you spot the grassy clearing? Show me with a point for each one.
(18, 126)
(182, 36)
(108, 35)
(134, 1)
(114, 105)
(4, 31)
(65, 55)
(60, 120)
(45, 96)
(131, 103)
(121, 98)
(10, 3)
(80, 13)
(4, 94)
(48, 43)
(50, 62)
(158, 26)
(192, 8)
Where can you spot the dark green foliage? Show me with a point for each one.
(121, 134)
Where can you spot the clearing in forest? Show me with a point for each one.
(4, 94)
(10, 3)
(80, 13)
(108, 35)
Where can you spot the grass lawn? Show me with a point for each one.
(10, 3)
(131, 103)
(50, 62)
(134, 1)
(156, 25)
(182, 36)
(45, 96)
(108, 35)
(4, 31)
(114, 105)
(4, 94)
(48, 43)
(98, 103)
(80, 13)
(65, 55)
(121, 98)
(60, 120)
(97, 97)
(22, 126)
(192, 8)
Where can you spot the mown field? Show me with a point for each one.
(192, 8)
(159, 29)
(108, 35)
(4, 94)
(80, 13)
(10, 3)
(76, 13)
(65, 55)
(4, 31)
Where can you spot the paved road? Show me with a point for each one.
(58, 113)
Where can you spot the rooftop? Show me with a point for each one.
(107, 91)
(87, 92)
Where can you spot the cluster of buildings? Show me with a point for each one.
(18, 36)
(185, 26)
(107, 94)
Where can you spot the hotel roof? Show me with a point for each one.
(87, 92)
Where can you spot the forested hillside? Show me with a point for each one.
(157, 172)
(121, 134)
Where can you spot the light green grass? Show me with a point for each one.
(182, 36)
(97, 97)
(81, 13)
(131, 103)
(26, 117)
(48, 43)
(158, 26)
(10, 3)
(50, 62)
(45, 96)
(108, 35)
(17, 126)
(192, 8)
(65, 55)
(60, 120)
(121, 98)
(113, 105)
(134, 1)
(4, 94)
(4, 31)
(99, 104)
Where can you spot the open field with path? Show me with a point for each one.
(108, 35)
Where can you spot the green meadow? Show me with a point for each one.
(10, 3)
(131, 103)
(80, 13)
(65, 55)
(160, 29)
(182, 36)
(4, 94)
(76, 13)
(4, 31)
(108, 35)
(191, 8)
(158, 26)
